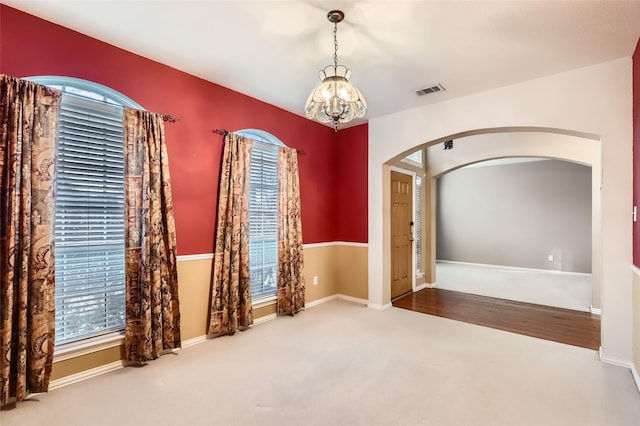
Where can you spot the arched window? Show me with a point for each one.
(89, 212)
(263, 214)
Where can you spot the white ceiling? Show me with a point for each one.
(273, 50)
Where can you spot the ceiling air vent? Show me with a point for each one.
(431, 89)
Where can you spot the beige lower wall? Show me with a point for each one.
(86, 362)
(350, 263)
(319, 261)
(636, 319)
(340, 268)
(194, 280)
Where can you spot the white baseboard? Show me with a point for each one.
(379, 307)
(264, 319)
(595, 311)
(320, 301)
(614, 361)
(636, 377)
(84, 375)
(422, 287)
(194, 341)
(517, 268)
(352, 299)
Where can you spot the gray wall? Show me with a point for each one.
(516, 215)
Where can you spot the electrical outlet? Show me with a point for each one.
(315, 280)
(550, 258)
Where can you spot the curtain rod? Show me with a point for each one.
(224, 132)
(170, 118)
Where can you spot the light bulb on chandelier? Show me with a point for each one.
(336, 100)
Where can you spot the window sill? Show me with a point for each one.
(87, 346)
(260, 303)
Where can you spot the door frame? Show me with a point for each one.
(413, 218)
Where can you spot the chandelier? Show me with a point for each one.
(335, 101)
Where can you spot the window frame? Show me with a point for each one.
(263, 137)
(73, 87)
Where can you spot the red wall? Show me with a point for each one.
(636, 152)
(332, 171)
(351, 188)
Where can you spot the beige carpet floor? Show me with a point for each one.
(343, 364)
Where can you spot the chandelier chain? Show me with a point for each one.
(335, 45)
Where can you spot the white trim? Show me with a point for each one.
(209, 256)
(636, 377)
(595, 311)
(378, 307)
(422, 286)
(402, 171)
(350, 244)
(634, 372)
(352, 299)
(194, 341)
(317, 245)
(87, 85)
(321, 301)
(84, 375)
(488, 265)
(334, 297)
(191, 257)
(411, 162)
(260, 136)
(413, 216)
(614, 361)
(264, 319)
(265, 301)
(334, 243)
(88, 346)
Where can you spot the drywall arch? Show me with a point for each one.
(486, 146)
(590, 103)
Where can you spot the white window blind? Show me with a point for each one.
(263, 220)
(89, 220)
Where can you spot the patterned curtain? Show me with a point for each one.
(153, 312)
(290, 257)
(28, 131)
(230, 280)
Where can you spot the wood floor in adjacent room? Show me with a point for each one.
(559, 325)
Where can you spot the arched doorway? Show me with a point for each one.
(473, 149)
(555, 104)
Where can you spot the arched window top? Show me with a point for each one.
(85, 89)
(260, 135)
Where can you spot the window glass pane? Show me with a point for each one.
(89, 213)
(415, 157)
(89, 221)
(263, 220)
(83, 93)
